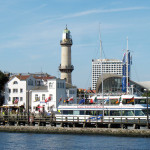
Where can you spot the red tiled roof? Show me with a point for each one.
(88, 91)
(44, 78)
(23, 77)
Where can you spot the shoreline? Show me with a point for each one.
(82, 131)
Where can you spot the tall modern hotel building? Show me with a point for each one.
(112, 66)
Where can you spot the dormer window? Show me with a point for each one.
(15, 82)
(30, 82)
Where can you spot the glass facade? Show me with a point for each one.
(114, 85)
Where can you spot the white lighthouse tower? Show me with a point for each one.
(66, 67)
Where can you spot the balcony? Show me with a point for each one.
(66, 42)
(66, 68)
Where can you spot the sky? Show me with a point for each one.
(31, 30)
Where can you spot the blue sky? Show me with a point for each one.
(31, 30)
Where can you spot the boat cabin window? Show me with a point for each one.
(127, 113)
(76, 112)
(139, 113)
(88, 112)
(81, 112)
(115, 113)
(145, 111)
(140, 101)
(68, 112)
(106, 113)
(99, 112)
(136, 101)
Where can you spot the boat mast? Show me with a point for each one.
(101, 63)
(101, 69)
(127, 67)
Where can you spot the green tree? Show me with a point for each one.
(3, 79)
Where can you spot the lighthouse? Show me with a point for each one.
(66, 67)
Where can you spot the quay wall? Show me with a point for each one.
(66, 130)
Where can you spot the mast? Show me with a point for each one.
(127, 67)
(101, 69)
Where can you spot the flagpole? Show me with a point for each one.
(101, 69)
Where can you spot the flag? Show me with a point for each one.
(124, 58)
(124, 70)
(82, 101)
(129, 62)
(106, 100)
(40, 106)
(16, 101)
(131, 100)
(46, 100)
(91, 101)
(49, 98)
(95, 100)
(60, 99)
(124, 84)
(119, 100)
(70, 99)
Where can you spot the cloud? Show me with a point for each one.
(96, 11)
(89, 12)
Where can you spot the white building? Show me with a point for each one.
(108, 66)
(16, 89)
(47, 98)
(42, 93)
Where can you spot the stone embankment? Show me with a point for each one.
(61, 130)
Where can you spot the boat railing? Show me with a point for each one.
(100, 118)
(143, 105)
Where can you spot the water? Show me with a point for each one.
(25, 141)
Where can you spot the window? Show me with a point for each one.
(68, 112)
(15, 100)
(127, 113)
(9, 99)
(76, 112)
(50, 85)
(30, 82)
(139, 113)
(43, 97)
(81, 112)
(9, 90)
(57, 85)
(115, 113)
(36, 97)
(60, 85)
(15, 82)
(15, 90)
(51, 96)
(21, 90)
(38, 83)
(21, 98)
(71, 92)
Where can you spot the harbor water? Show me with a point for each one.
(25, 141)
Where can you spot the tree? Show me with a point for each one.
(3, 79)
